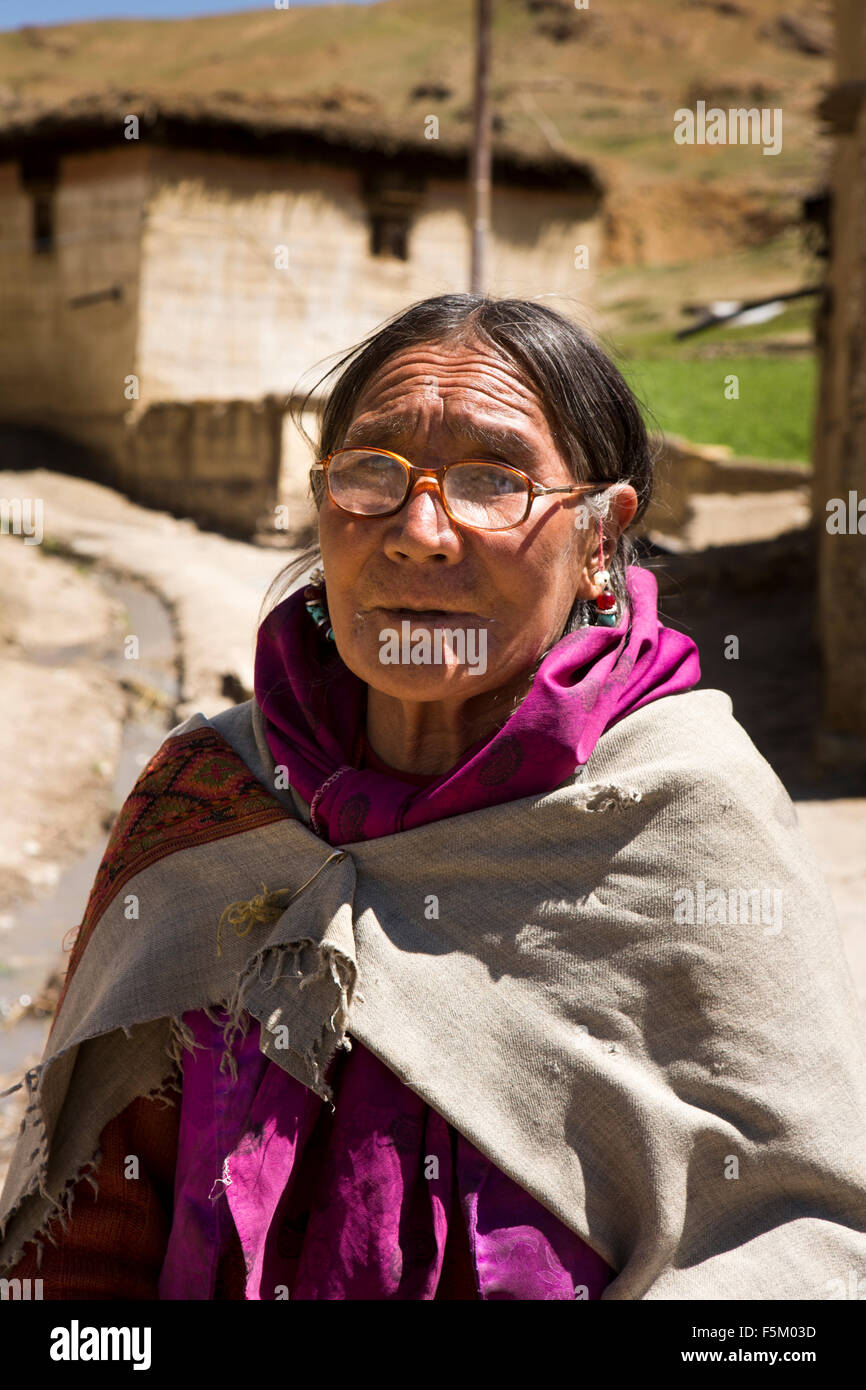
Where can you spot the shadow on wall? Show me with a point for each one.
(217, 462)
(752, 610)
(25, 447)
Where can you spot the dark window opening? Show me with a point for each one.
(390, 235)
(40, 173)
(392, 197)
(43, 222)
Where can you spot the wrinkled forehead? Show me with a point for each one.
(433, 382)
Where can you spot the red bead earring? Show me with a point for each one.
(605, 604)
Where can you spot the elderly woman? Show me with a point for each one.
(480, 955)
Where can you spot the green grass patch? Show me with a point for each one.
(772, 419)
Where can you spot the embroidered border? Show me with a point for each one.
(194, 790)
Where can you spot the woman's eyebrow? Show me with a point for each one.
(498, 439)
(495, 439)
(377, 432)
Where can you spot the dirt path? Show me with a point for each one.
(60, 739)
(212, 585)
(62, 716)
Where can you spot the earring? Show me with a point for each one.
(316, 603)
(605, 604)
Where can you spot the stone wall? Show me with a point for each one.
(840, 440)
(686, 473)
(217, 462)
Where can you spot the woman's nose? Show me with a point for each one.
(431, 485)
(422, 524)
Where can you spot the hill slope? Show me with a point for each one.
(603, 83)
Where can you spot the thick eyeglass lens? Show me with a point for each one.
(366, 483)
(479, 494)
(483, 494)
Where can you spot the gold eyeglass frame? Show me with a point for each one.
(533, 490)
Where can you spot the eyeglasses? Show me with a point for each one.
(482, 495)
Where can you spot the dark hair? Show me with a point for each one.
(593, 416)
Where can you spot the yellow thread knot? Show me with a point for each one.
(243, 916)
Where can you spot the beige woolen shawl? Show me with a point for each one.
(556, 976)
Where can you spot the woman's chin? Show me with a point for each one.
(426, 683)
(425, 680)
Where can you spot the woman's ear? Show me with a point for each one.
(621, 509)
(623, 505)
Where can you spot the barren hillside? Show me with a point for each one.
(603, 83)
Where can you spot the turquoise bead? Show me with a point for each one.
(606, 619)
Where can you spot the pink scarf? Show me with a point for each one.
(315, 708)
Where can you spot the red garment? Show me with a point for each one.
(114, 1243)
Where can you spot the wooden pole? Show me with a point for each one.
(480, 154)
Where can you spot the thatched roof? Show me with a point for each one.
(336, 127)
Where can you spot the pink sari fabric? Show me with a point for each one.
(352, 1204)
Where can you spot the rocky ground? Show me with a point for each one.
(66, 695)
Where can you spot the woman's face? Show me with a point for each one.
(510, 592)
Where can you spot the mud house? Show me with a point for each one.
(170, 272)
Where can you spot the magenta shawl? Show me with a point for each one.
(587, 682)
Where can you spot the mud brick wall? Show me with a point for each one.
(217, 462)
